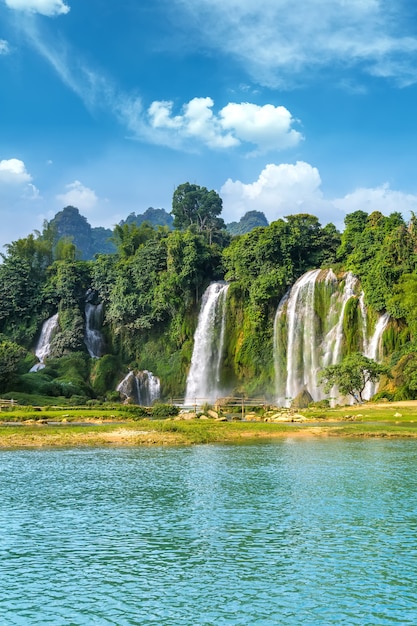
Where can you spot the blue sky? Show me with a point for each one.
(283, 106)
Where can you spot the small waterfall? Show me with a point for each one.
(373, 350)
(93, 337)
(43, 347)
(141, 388)
(203, 381)
(309, 332)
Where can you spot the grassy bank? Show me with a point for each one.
(99, 426)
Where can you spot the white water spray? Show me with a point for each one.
(43, 347)
(203, 382)
(140, 387)
(306, 342)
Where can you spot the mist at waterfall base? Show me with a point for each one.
(203, 381)
(309, 333)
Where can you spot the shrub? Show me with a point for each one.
(160, 411)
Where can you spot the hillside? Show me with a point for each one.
(138, 308)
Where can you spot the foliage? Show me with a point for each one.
(151, 280)
(352, 375)
(379, 250)
(193, 205)
(161, 411)
(10, 356)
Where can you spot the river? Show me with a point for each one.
(304, 532)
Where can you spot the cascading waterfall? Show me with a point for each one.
(203, 381)
(140, 387)
(43, 347)
(309, 333)
(373, 350)
(93, 337)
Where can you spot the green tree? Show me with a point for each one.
(193, 205)
(352, 375)
(129, 237)
(10, 355)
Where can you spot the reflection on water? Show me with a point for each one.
(293, 532)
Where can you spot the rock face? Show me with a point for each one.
(139, 387)
(302, 400)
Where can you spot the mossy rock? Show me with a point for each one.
(302, 400)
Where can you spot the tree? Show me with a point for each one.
(195, 205)
(129, 237)
(352, 375)
(10, 355)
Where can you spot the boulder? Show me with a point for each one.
(302, 400)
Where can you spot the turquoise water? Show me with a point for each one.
(291, 532)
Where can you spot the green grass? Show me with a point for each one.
(113, 426)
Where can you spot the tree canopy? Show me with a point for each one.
(352, 375)
(193, 205)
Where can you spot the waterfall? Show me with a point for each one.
(309, 332)
(43, 347)
(203, 381)
(93, 337)
(141, 388)
(373, 350)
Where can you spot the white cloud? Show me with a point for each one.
(280, 190)
(277, 40)
(79, 196)
(17, 201)
(13, 172)
(4, 47)
(267, 127)
(44, 7)
(380, 198)
(286, 189)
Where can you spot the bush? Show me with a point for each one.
(78, 400)
(160, 411)
(137, 412)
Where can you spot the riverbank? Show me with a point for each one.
(100, 427)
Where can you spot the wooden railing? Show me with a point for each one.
(7, 403)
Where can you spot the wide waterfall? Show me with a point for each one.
(310, 330)
(93, 337)
(203, 382)
(43, 347)
(140, 387)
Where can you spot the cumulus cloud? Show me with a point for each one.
(267, 127)
(79, 196)
(380, 198)
(279, 190)
(17, 200)
(277, 40)
(4, 47)
(13, 172)
(44, 7)
(286, 188)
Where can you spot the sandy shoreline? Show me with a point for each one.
(170, 433)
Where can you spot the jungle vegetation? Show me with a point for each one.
(150, 279)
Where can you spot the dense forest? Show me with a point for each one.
(148, 276)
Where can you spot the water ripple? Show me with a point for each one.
(312, 532)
